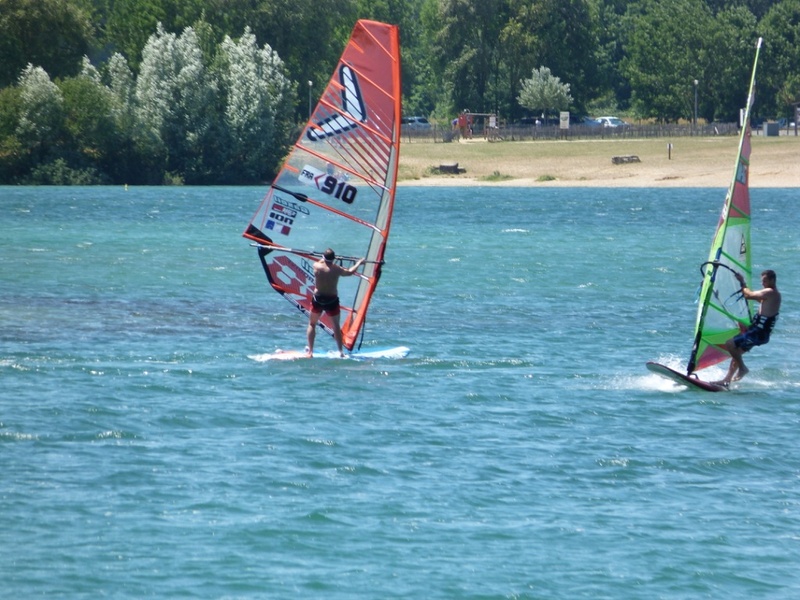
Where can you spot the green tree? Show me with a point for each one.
(134, 163)
(731, 45)
(613, 87)
(545, 92)
(256, 95)
(187, 113)
(758, 8)
(309, 36)
(91, 138)
(52, 34)
(672, 47)
(567, 34)
(431, 94)
(666, 52)
(41, 118)
(558, 33)
(485, 48)
(12, 155)
(520, 47)
(128, 24)
(407, 15)
(176, 103)
(123, 91)
(467, 45)
(780, 68)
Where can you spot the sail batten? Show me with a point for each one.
(723, 311)
(336, 187)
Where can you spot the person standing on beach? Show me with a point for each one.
(760, 329)
(326, 297)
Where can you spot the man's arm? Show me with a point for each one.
(352, 270)
(759, 295)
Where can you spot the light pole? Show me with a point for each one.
(695, 103)
(310, 83)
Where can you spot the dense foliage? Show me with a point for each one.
(210, 91)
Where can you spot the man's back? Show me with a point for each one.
(770, 302)
(326, 277)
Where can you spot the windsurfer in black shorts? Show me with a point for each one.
(326, 297)
(760, 329)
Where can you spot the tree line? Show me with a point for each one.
(212, 91)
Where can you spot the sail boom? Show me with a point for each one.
(309, 254)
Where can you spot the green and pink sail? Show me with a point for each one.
(723, 311)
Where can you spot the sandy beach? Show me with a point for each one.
(690, 162)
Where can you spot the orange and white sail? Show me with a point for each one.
(337, 186)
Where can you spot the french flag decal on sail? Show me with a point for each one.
(278, 228)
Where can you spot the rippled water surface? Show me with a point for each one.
(521, 450)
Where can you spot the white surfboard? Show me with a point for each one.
(378, 353)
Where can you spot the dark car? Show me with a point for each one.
(590, 122)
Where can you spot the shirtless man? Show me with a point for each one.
(758, 333)
(326, 297)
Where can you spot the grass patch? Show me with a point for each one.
(495, 176)
(591, 160)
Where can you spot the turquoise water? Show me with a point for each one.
(521, 450)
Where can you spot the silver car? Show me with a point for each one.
(612, 122)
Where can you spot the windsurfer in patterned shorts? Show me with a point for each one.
(326, 297)
(759, 331)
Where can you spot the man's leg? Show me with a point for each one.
(743, 370)
(337, 334)
(311, 332)
(729, 375)
(737, 363)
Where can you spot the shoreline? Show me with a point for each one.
(689, 162)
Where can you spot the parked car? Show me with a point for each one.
(612, 122)
(415, 123)
(590, 122)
